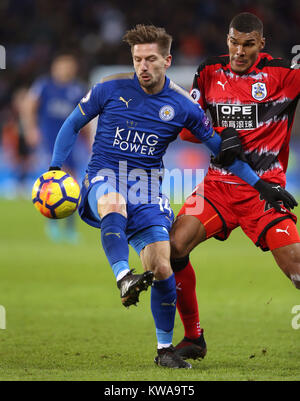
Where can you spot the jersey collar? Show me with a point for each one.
(254, 66)
(137, 84)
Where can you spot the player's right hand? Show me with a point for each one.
(231, 148)
(274, 194)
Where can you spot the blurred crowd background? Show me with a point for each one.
(34, 31)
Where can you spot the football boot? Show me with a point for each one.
(132, 285)
(167, 357)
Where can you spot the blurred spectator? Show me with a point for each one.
(48, 103)
(13, 141)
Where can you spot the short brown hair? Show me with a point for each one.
(142, 34)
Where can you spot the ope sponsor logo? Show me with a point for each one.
(237, 116)
(296, 318)
(2, 318)
(2, 58)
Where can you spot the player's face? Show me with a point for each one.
(64, 69)
(150, 66)
(243, 49)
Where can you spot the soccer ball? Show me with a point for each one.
(56, 194)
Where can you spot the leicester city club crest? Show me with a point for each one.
(167, 113)
(259, 90)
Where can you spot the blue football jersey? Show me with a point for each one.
(56, 102)
(136, 127)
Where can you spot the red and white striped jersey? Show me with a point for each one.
(259, 104)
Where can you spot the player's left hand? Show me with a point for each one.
(231, 148)
(274, 194)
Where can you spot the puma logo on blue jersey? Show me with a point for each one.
(125, 101)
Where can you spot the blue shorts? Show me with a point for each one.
(148, 236)
(140, 216)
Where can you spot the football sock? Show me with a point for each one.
(114, 242)
(71, 234)
(53, 230)
(71, 223)
(163, 307)
(187, 304)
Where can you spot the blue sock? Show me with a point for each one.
(114, 241)
(163, 307)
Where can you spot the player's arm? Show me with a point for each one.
(67, 136)
(271, 192)
(228, 156)
(29, 118)
(229, 152)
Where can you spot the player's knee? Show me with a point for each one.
(294, 269)
(288, 259)
(178, 245)
(162, 270)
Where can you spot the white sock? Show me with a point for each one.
(160, 346)
(122, 274)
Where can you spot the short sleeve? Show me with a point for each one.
(197, 91)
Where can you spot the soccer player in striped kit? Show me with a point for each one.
(256, 95)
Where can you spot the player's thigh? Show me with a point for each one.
(186, 233)
(198, 220)
(156, 257)
(102, 203)
(113, 202)
(284, 242)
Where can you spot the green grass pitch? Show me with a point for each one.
(64, 319)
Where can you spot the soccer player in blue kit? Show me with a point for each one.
(49, 102)
(139, 115)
